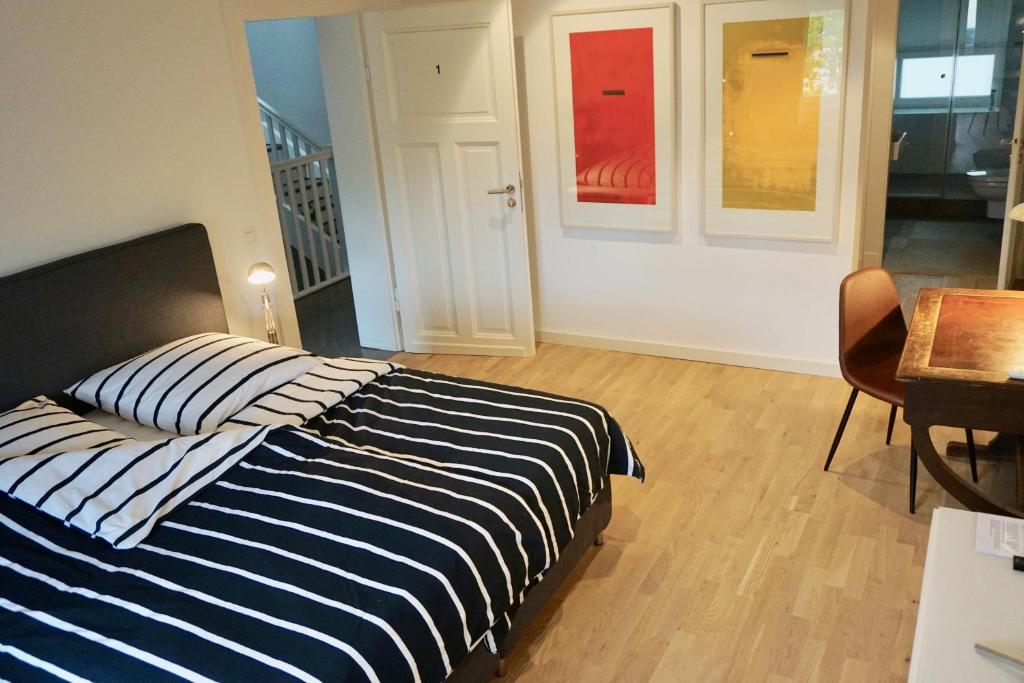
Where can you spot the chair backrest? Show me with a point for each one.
(870, 318)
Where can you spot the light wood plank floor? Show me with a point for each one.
(739, 559)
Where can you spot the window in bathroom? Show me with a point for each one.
(966, 76)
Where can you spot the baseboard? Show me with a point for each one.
(750, 360)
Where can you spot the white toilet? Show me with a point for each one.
(991, 179)
(991, 186)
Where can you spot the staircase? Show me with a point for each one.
(305, 183)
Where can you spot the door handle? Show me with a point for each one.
(508, 189)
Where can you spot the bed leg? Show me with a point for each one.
(502, 668)
(600, 539)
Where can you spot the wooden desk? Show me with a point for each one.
(960, 345)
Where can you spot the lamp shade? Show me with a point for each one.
(261, 273)
(1017, 213)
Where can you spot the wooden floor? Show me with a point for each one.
(739, 559)
(909, 285)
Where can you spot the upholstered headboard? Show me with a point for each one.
(64, 320)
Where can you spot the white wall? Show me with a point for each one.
(286, 67)
(120, 118)
(155, 125)
(355, 155)
(763, 303)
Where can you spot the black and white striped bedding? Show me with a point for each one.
(118, 489)
(301, 400)
(40, 426)
(194, 384)
(120, 492)
(381, 540)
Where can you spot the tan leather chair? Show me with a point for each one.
(872, 333)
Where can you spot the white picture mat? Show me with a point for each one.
(658, 217)
(818, 225)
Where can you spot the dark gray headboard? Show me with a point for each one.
(65, 320)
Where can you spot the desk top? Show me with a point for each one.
(965, 598)
(967, 335)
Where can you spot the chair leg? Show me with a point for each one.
(972, 455)
(892, 422)
(913, 478)
(842, 428)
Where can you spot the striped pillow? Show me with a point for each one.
(40, 426)
(121, 491)
(192, 385)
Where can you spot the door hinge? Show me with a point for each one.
(397, 305)
(367, 68)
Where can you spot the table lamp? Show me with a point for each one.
(261, 274)
(1017, 213)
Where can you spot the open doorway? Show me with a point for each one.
(954, 109)
(418, 190)
(286, 63)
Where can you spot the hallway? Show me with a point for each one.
(960, 252)
(327, 320)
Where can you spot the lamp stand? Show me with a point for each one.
(268, 317)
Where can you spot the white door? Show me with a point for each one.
(443, 82)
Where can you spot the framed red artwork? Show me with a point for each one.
(614, 82)
(613, 115)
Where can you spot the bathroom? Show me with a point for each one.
(954, 108)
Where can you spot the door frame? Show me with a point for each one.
(266, 239)
(1009, 250)
(876, 139)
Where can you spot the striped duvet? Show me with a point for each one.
(380, 540)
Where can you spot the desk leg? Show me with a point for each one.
(968, 494)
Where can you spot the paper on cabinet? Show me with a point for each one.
(1000, 536)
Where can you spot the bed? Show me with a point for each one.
(409, 529)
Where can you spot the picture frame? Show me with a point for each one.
(614, 78)
(774, 104)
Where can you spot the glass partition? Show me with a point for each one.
(922, 102)
(957, 72)
(982, 123)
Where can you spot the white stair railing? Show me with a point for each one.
(307, 201)
(284, 139)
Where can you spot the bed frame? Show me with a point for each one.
(70, 318)
(73, 317)
(481, 665)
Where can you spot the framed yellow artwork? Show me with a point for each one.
(774, 80)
